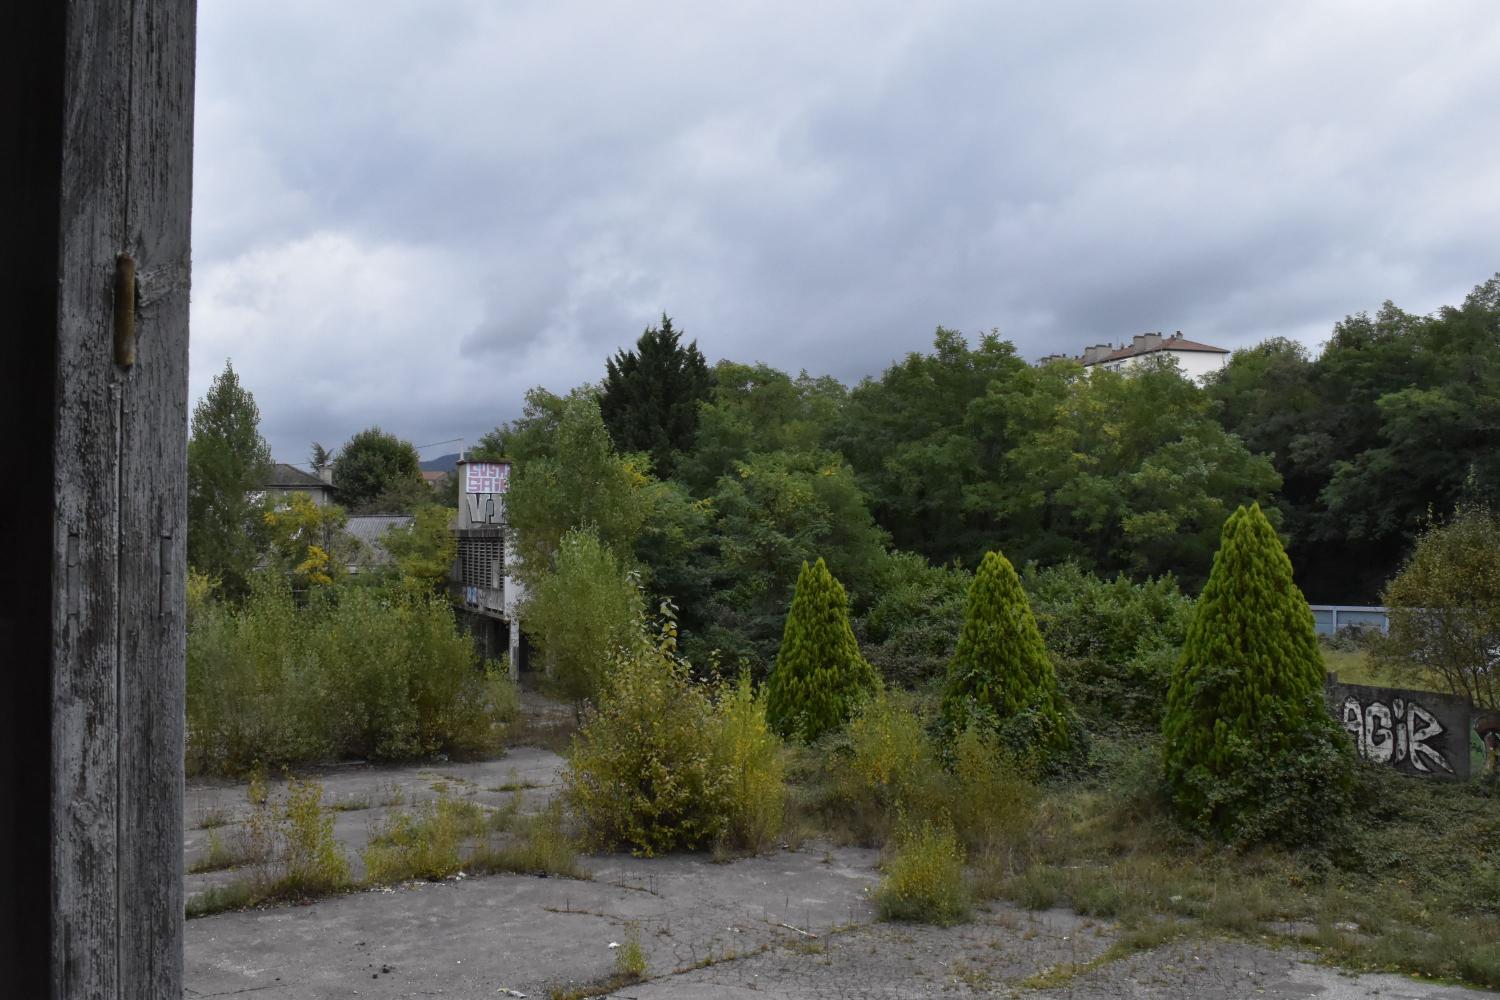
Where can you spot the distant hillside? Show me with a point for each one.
(443, 463)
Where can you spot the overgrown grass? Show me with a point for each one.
(223, 852)
(1414, 873)
(287, 846)
(854, 785)
(423, 843)
(1415, 870)
(538, 844)
(445, 836)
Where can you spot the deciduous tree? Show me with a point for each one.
(581, 612)
(424, 550)
(372, 464)
(1445, 608)
(582, 483)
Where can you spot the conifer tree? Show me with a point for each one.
(1001, 677)
(651, 395)
(1251, 753)
(227, 463)
(820, 674)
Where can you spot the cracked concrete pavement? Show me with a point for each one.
(793, 924)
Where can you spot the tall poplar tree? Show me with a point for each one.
(227, 464)
(1251, 752)
(651, 395)
(1000, 676)
(820, 675)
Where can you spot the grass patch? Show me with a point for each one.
(423, 844)
(514, 783)
(446, 836)
(213, 816)
(286, 842)
(1354, 666)
(530, 845)
(222, 853)
(237, 895)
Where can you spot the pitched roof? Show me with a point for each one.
(1148, 344)
(289, 476)
(370, 529)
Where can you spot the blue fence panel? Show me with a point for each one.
(1329, 619)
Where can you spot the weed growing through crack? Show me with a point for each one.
(352, 803)
(213, 816)
(288, 844)
(630, 959)
(222, 853)
(529, 845)
(514, 783)
(423, 844)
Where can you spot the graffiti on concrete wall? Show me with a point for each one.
(1418, 732)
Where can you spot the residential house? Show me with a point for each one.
(1196, 361)
(284, 480)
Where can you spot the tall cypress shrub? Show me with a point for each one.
(1251, 753)
(1000, 677)
(819, 674)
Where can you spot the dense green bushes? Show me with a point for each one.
(1115, 641)
(861, 783)
(914, 620)
(924, 877)
(376, 674)
(1251, 752)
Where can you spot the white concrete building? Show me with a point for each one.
(1194, 360)
(483, 578)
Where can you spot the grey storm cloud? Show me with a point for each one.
(407, 214)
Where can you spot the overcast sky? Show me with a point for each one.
(406, 214)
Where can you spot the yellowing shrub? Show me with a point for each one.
(924, 878)
(750, 755)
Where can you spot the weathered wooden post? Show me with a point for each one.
(94, 403)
